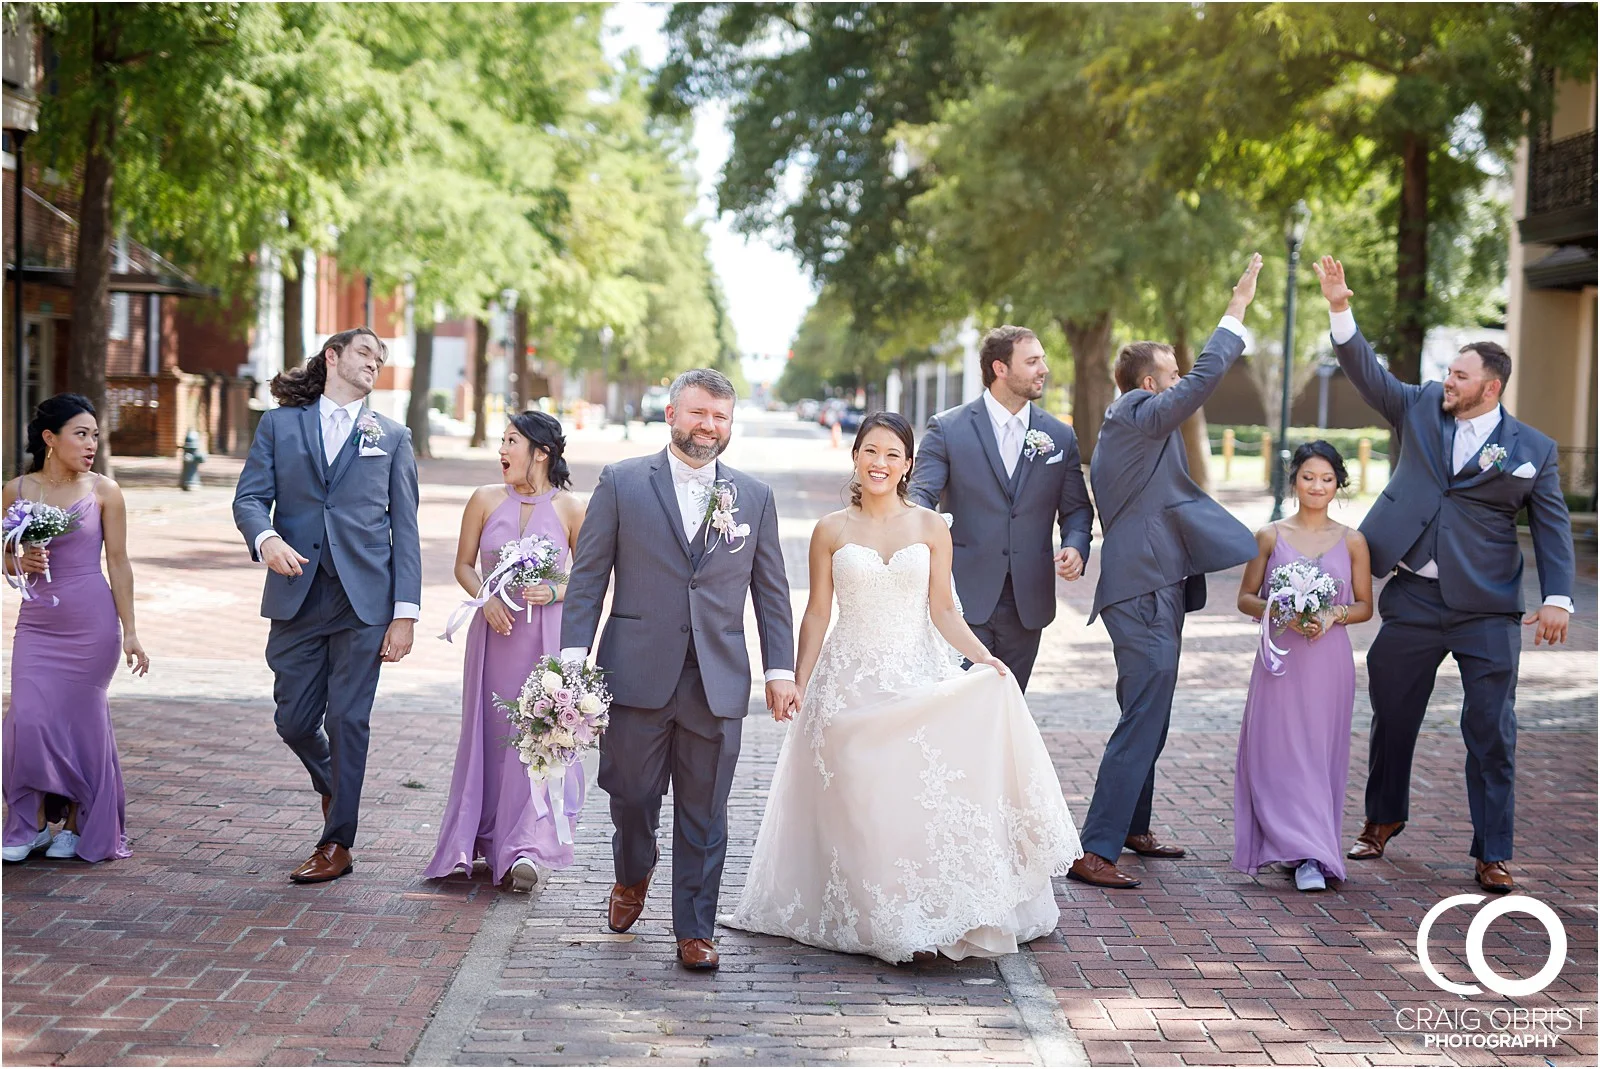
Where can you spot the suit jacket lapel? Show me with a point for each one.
(991, 448)
(311, 431)
(1506, 435)
(700, 552)
(347, 453)
(1024, 465)
(1444, 446)
(661, 481)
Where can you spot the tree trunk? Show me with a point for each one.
(91, 297)
(418, 404)
(480, 382)
(1092, 391)
(294, 316)
(1411, 270)
(1195, 443)
(519, 359)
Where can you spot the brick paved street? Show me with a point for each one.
(197, 950)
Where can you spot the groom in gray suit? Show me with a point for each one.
(1004, 509)
(328, 501)
(1162, 534)
(1446, 526)
(688, 539)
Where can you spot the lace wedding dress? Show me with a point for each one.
(914, 806)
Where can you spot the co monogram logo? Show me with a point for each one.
(1475, 933)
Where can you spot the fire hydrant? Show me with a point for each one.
(193, 457)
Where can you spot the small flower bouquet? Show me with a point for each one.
(1037, 444)
(562, 710)
(524, 562)
(34, 523)
(1297, 592)
(720, 523)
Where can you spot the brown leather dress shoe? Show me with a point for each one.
(627, 903)
(697, 954)
(327, 862)
(1372, 840)
(1096, 870)
(1494, 877)
(1146, 845)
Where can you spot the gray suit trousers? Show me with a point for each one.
(1418, 630)
(1003, 635)
(1147, 637)
(325, 664)
(684, 744)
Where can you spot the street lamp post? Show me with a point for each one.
(606, 334)
(19, 421)
(508, 344)
(1294, 236)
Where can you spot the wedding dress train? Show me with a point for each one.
(914, 806)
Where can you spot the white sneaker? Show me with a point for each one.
(523, 876)
(20, 853)
(1308, 877)
(64, 845)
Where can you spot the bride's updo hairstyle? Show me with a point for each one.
(889, 421)
(543, 431)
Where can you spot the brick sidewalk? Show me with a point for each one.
(197, 950)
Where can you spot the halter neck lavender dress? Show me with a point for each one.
(1294, 744)
(493, 811)
(57, 738)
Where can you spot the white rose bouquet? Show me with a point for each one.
(562, 710)
(34, 523)
(1297, 592)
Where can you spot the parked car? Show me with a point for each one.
(806, 410)
(653, 406)
(850, 419)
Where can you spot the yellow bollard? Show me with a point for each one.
(1266, 457)
(1364, 453)
(1227, 455)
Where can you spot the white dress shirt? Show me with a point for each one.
(1009, 430)
(335, 435)
(692, 486)
(1470, 436)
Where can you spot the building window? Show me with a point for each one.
(121, 308)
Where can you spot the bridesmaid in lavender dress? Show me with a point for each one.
(1294, 744)
(494, 812)
(60, 756)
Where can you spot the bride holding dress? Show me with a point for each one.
(914, 807)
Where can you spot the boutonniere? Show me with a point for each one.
(1037, 444)
(1493, 456)
(370, 430)
(720, 524)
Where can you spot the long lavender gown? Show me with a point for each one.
(1294, 744)
(493, 811)
(57, 738)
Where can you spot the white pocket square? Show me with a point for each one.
(372, 451)
(1526, 471)
(1058, 458)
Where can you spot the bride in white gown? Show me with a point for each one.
(914, 807)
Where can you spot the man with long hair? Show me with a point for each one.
(328, 502)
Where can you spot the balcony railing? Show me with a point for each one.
(1561, 192)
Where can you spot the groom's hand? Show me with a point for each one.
(1069, 563)
(1551, 621)
(782, 699)
(397, 640)
(281, 557)
(1244, 291)
(1330, 273)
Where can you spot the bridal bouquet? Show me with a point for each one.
(562, 710)
(1297, 592)
(523, 562)
(33, 523)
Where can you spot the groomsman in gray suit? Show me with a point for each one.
(1446, 526)
(1030, 479)
(674, 648)
(1162, 534)
(328, 501)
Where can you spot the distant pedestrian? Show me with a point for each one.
(60, 751)
(1294, 743)
(493, 811)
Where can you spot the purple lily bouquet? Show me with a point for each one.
(1299, 591)
(524, 562)
(561, 711)
(34, 523)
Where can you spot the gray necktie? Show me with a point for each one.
(338, 431)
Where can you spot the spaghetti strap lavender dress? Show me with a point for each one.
(1294, 743)
(493, 811)
(57, 736)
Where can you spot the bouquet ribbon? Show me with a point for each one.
(496, 586)
(1271, 655)
(14, 544)
(556, 781)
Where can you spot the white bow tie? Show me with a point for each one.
(700, 477)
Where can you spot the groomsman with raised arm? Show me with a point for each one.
(1446, 526)
(1162, 534)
